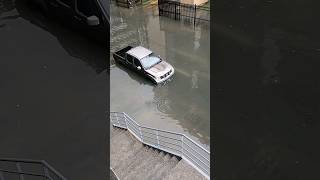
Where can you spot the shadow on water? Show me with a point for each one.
(75, 43)
(53, 93)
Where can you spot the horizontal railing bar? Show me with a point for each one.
(163, 136)
(152, 134)
(196, 144)
(196, 158)
(53, 170)
(171, 148)
(128, 117)
(149, 137)
(169, 132)
(20, 160)
(132, 126)
(161, 141)
(170, 143)
(24, 173)
(208, 172)
(197, 152)
(171, 138)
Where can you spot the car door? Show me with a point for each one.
(87, 8)
(63, 9)
(129, 61)
(136, 64)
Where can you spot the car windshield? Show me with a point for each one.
(150, 60)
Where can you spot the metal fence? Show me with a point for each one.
(179, 11)
(171, 142)
(25, 169)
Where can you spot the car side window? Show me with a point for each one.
(88, 8)
(129, 59)
(137, 62)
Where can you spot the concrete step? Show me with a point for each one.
(168, 164)
(143, 169)
(131, 160)
(123, 148)
(114, 132)
(131, 165)
(157, 167)
(184, 171)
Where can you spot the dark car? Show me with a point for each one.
(89, 16)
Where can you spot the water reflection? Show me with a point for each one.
(76, 44)
(53, 90)
(181, 104)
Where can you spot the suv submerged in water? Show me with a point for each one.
(88, 16)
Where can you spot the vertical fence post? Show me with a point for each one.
(182, 146)
(125, 120)
(140, 133)
(46, 172)
(158, 138)
(195, 15)
(1, 176)
(20, 171)
(117, 118)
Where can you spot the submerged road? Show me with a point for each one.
(181, 104)
(53, 94)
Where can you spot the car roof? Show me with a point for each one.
(139, 52)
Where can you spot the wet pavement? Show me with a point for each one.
(266, 90)
(181, 104)
(53, 85)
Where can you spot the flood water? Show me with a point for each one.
(181, 104)
(53, 92)
(266, 89)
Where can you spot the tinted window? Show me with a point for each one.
(137, 62)
(129, 59)
(87, 7)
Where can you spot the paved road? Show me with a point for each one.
(53, 94)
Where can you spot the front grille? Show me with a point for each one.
(165, 75)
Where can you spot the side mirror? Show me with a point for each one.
(93, 21)
(139, 68)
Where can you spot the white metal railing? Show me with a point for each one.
(171, 142)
